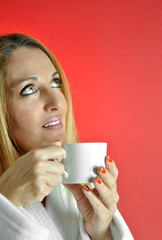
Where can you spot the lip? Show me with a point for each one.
(54, 127)
(54, 119)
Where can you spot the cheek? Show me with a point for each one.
(63, 105)
(22, 117)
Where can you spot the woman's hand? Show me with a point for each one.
(98, 205)
(32, 176)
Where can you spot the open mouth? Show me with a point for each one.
(54, 123)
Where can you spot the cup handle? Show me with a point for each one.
(65, 174)
(64, 155)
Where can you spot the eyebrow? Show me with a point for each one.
(32, 78)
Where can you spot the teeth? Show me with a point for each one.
(52, 123)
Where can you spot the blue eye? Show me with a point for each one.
(28, 90)
(56, 83)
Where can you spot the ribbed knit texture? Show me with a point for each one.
(60, 220)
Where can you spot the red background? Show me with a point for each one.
(111, 52)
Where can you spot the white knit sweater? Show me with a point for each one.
(60, 220)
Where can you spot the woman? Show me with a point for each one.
(36, 119)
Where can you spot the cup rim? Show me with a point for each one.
(86, 143)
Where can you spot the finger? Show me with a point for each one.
(48, 167)
(111, 167)
(105, 194)
(101, 211)
(106, 177)
(109, 181)
(54, 167)
(42, 191)
(39, 189)
(41, 185)
(46, 153)
(28, 160)
(43, 168)
(47, 191)
(53, 179)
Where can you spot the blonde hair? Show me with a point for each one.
(8, 148)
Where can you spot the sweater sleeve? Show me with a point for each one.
(119, 228)
(18, 224)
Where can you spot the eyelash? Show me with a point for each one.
(56, 80)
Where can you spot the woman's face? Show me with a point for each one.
(36, 104)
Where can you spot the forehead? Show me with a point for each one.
(25, 61)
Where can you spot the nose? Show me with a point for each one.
(52, 101)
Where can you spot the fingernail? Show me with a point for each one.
(98, 180)
(103, 170)
(87, 188)
(110, 159)
(106, 167)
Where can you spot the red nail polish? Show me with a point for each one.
(103, 170)
(106, 167)
(87, 188)
(110, 159)
(98, 180)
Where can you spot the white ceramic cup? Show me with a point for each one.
(81, 161)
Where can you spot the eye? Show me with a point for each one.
(56, 83)
(28, 90)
